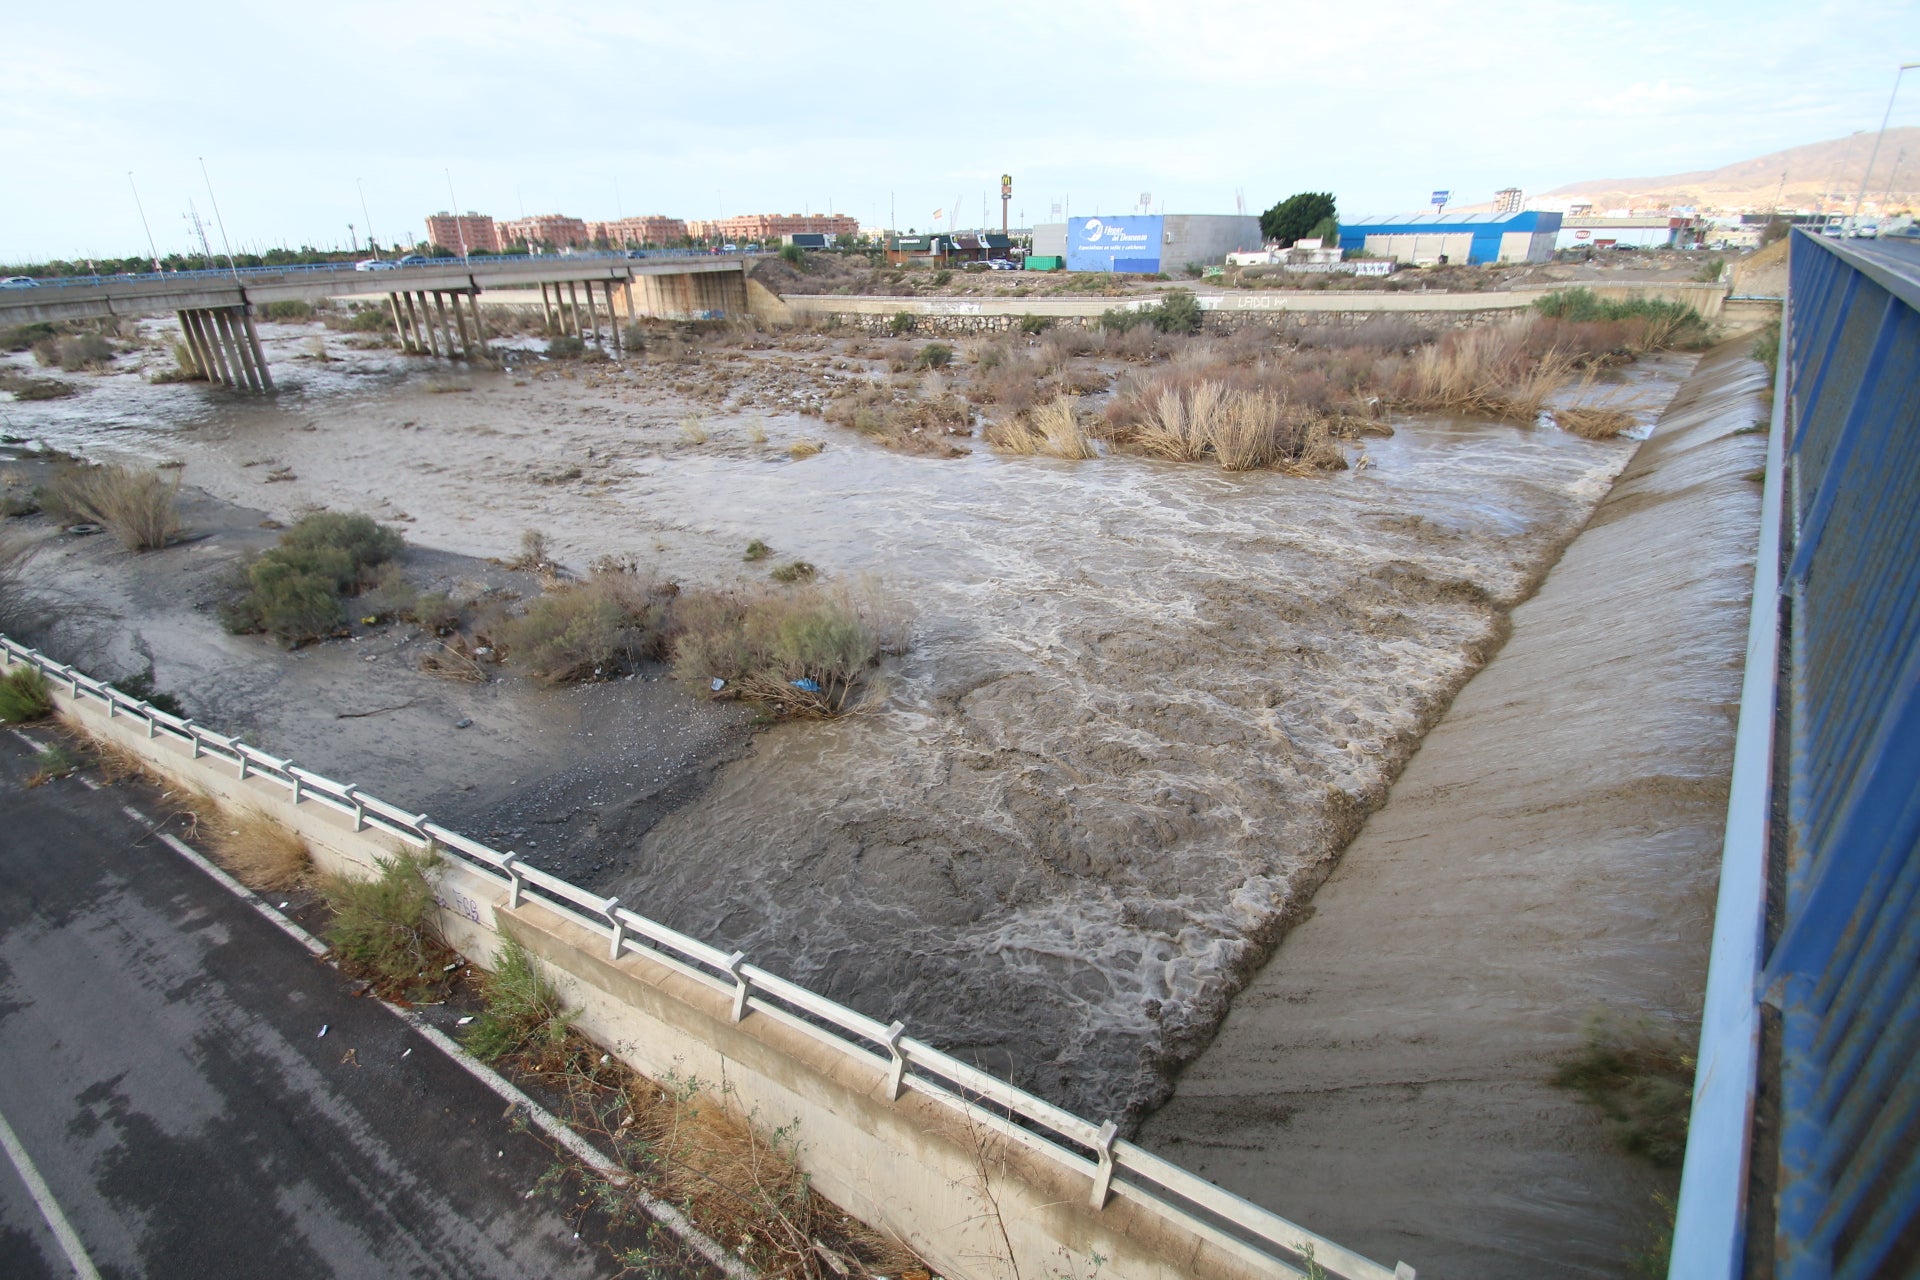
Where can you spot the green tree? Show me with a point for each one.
(1297, 216)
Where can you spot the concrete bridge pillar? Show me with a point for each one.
(263, 376)
(191, 341)
(399, 322)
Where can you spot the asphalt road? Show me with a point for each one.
(163, 1074)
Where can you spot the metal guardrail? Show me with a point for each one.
(348, 268)
(1843, 497)
(1113, 1167)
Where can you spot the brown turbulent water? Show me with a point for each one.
(1145, 703)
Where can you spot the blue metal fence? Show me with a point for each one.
(1844, 969)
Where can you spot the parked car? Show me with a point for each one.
(375, 264)
(19, 282)
(1002, 264)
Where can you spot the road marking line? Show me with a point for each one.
(49, 1207)
(553, 1126)
(29, 739)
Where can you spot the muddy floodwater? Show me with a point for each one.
(1144, 706)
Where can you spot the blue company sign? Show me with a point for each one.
(1115, 244)
(1442, 197)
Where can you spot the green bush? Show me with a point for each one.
(794, 571)
(793, 255)
(294, 592)
(360, 538)
(902, 322)
(381, 928)
(1178, 311)
(1662, 323)
(1766, 347)
(289, 310)
(1033, 326)
(523, 1011)
(24, 696)
(760, 644)
(935, 355)
(566, 635)
(566, 347)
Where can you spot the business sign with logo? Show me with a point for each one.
(1120, 243)
(1441, 198)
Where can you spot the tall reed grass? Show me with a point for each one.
(138, 507)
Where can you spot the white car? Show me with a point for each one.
(375, 264)
(19, 282)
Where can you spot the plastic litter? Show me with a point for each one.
(283, 906)
(323, 1029)
(464, 1021)
(464, 722)
(718, 684)
(807, 684)
(407, 1052)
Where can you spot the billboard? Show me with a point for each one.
(1115, 244)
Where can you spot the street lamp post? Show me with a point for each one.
(372, 243)
(1873, 155)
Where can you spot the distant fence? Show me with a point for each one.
(1173, 1222)
(1837, 592)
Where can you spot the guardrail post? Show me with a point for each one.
(241, 752)
(296, 785)
(513, 876)
(193, 739)
(1103, 1176)
(618, 925)
(741, 987)
(897, 1073)
(147, 713)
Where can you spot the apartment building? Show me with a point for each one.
(763, 228)
(464, 233)
(654, 229)
(556, 229)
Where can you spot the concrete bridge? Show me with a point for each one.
(216, 308)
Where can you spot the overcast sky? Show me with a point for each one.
(696, 110)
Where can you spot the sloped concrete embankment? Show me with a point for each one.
(1550, 852)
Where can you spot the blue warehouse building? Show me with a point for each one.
(1459, 237)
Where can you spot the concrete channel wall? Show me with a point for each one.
(975, 1194)
(1276, 309)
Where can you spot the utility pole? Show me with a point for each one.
(150, 231)
(459, 225)
(1877, 139)
(1006, 195)
(218, 220)
(372, 242)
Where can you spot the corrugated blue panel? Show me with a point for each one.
(1846, 969)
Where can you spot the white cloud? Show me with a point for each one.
(762, 106)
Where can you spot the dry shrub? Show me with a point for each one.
(1243, 428)
(1053, 429)
(83, 351)
(257, 850)
(139, 507)
(770, 645)
(1494, 371)
(804, 449)
(684, 1141)
(899, 419)
(1594, 422)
